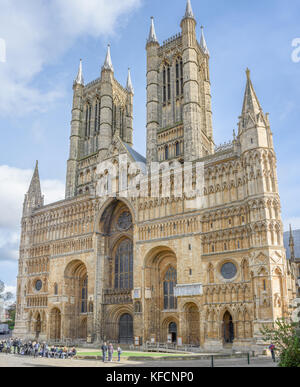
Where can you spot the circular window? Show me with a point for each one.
(125, 221)
(228, 270)
(38, 285)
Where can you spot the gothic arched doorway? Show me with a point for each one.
(228, 328)
(173, 332)
(55, 325)
(126, 329)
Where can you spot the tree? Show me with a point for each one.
(8, 296)
(287, 344)
(12, 316)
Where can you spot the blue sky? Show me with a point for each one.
(45, 40)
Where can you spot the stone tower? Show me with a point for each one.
(102, 111)
(34, 201)
(179, 117)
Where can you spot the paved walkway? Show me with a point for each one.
(24, 361)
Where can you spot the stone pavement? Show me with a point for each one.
(23, 361)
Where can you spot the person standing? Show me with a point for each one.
(104, 352)
(110, 352)
(119, 353)
(15, 344)
(272, 350)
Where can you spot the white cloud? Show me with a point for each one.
(14, 183)
(93, 17)
(37, 32)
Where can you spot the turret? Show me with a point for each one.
(255, 134)
(75, 138)
(191, 110)
(129, 112)
(152, 94)
(254, 126)
(33, 198)
(107, 77)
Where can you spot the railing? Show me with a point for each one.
(170, 347)
(224, 147)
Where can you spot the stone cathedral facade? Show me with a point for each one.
(155, 269)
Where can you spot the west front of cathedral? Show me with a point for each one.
(154, 268)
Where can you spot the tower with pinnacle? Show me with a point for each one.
(179, 117)
(102, 112)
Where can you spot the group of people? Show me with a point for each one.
(33, 348)
(108, 352)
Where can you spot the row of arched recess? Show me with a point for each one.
(126, 333)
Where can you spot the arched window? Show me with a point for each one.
(55, 289)
(169, 83)
(137, 307)
(97, 115)
(170, 281)
(181, 75)
(164, 85)
(177, 79)
(122, 123)
(114, 118)
(166, 152)
(84, 295)
(124, 266)
(88, 120)
(177, 149)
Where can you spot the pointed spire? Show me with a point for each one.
(34, 198)
(129, 86)
(234, 135)
(251, 103)
(292, 244)
(108, 63)
(152, 35)
(79, 79)
(189, 11)
(203, 44)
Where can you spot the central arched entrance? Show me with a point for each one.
(126, 329)
(228, 328)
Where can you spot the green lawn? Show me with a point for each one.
(132, 354)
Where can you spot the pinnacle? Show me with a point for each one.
(152, 35)
(79, 79)
(129, 86)
(203, 42)
(108, 62)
